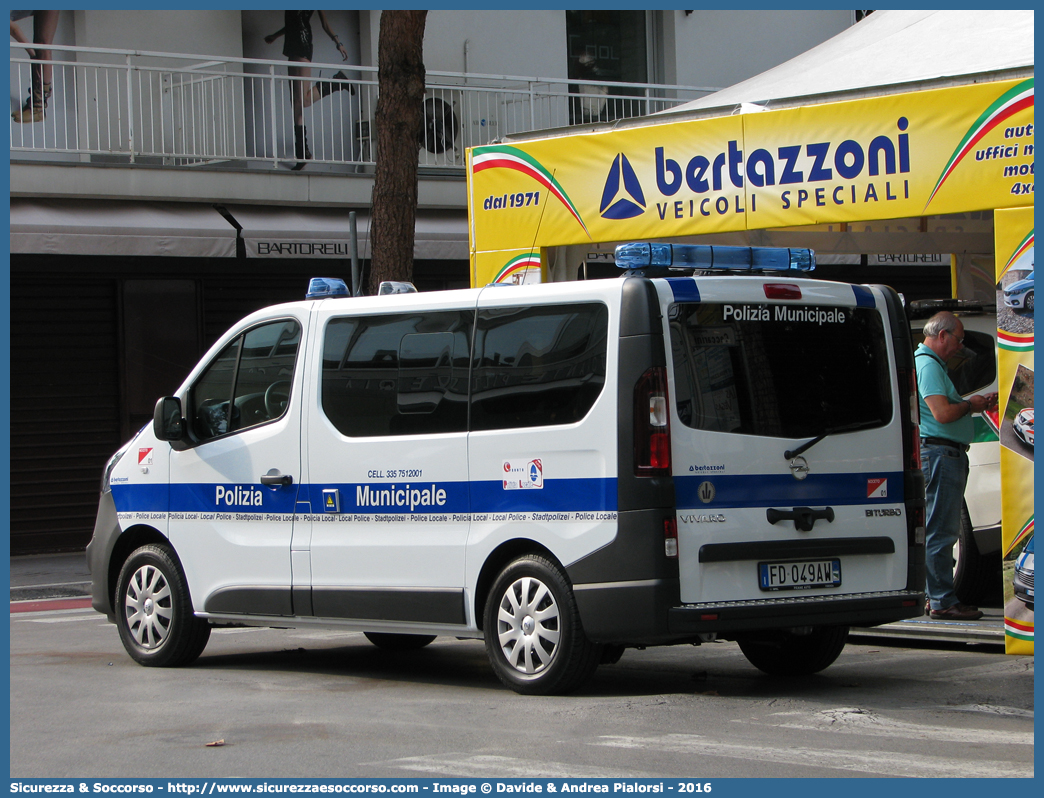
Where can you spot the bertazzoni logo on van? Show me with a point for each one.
(523, 475)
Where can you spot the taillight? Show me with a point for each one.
(782, 291)
(916, 523)
(908, 380)
(915, 448)
(914, 482)
(652, 425)
(670, 536)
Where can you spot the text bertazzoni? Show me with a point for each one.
(785, 313)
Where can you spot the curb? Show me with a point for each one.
(50, 604)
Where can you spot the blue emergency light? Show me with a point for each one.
(326, 287)
(641, 255)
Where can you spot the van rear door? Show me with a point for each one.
(786, 437)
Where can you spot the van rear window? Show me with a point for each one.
(785, 371)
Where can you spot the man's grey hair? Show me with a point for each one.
(943, 321)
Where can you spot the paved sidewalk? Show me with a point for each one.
(47, 576)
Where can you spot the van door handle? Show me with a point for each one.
(273, 477)
(804, 518)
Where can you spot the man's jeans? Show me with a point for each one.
(945, 475)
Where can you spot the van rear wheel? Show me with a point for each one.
(154, 612)
(398, 642)
(786, 653)
(534, 638)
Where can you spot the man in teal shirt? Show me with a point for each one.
(946, 430)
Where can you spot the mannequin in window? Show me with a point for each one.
(45, 23)
(297, 47)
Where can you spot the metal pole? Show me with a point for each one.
(353, 238)
(275, 141)
(130, 109)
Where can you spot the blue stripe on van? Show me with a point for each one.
(372, 498)
(402, 496)
(141, 498)
(864, 297)
(684, 288)
(229, 498)
(557, 495)
(762, 490)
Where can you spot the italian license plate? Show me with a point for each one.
(799, 575)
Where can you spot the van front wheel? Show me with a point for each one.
(154, 611)
(786, 653)
(534, 638)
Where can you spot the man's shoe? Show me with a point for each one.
(958, 612)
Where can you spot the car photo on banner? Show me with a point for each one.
(1022, 584)
(1016, 426)
(1019, 295)
(1023, 426)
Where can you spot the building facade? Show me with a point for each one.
(155, 200)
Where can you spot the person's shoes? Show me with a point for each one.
(328, 87)
(33, 110)
(958, 612)
(301, 150)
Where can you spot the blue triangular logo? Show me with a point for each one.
(622, 197)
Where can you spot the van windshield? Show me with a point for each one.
(783, 371)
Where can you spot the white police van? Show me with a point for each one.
(564, 470)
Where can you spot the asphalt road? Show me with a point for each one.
(301, 703)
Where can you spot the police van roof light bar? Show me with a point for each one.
(639, 255)
(326, 287)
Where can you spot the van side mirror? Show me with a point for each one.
(167, 422)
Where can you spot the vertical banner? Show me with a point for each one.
(1013, 230)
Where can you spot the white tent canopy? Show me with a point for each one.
(886, 53)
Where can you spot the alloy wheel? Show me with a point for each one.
(148, 607)
(528, 625)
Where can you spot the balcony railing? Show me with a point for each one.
(186, 110)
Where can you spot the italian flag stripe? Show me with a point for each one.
(502, 157)
(1016, 99)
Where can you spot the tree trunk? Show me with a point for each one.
(400, 122)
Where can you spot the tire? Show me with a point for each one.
(154, 611)
(1029, 302)
(788, 654)
(534, 638)
(976, 577)
(397, 642)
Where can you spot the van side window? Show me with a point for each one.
(397, 374)
(779, 371)
(248, 383)
(535, 366)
